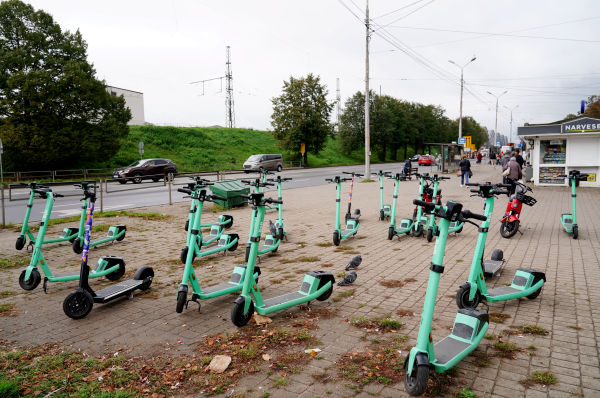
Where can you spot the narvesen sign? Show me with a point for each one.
(583, 125)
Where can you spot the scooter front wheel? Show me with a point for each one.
(391, 233)
(462, 299)
(78, 305)
(429, 234)
(20, 242)
(419, 231)
(238, 317)
(416, 383)
(508, 229)
(575, 232)
(181, 300)
(30, 284)
(381, 215)
(336, 238)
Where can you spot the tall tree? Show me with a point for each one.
(301, 115)
(53, 110)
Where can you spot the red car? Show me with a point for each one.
(426, 160)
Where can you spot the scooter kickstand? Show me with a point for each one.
(487, 306)
(438, 382)
(305, 307)
(28, 247)
(195, 300)
(45, 284)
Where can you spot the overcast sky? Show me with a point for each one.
(159, 46)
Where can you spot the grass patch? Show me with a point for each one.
(6, 309)
(391, 283)
(466, 393)
(575, 327)
(538, 377)
(531, 329)
(14, 262)
(6, 293)
(287, 261)
(346, 293)
(481, 359)
(376, 325)
(327, 265)
(124, 213)
(306, 259)
(343, 248)
(506, 350)
(281, 382)
(498, 317)
(276, 281)
(325, 244)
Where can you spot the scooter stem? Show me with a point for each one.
(393, 213)
(573, 198)
(337, 206)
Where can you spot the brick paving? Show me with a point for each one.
(149, 326)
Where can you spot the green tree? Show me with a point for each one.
(54, 113)
(301, 115)
(470, 128)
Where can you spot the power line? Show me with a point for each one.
(402, 8)
(410, 13)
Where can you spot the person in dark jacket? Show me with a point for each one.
(465, 168)
(519, 158)
(407, 166)
(514, 172)
(493, 158)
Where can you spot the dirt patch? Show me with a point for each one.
(327, 265)
(481, 359)
(376, 325)
(498, 317)
(409, 280)
(390, 283)
(402, 312)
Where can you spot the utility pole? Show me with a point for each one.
(367, 121)
(338, 99)
(511, 111)
(496, 128)
(229, 111)
(461, 94)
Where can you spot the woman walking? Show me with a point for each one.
(465, 168)
(493, 159)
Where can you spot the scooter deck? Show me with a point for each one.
(502, 291)
(222, 286)
(115, 291)
(490, 267)
(283, 299)
(567, 222)
(450, 348)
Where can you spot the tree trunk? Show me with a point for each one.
(405, 150)
(394, 152)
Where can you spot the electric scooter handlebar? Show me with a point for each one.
(57, 195)
(501, 192)
(216, 197)
(504, 185)
(42, 191)
(469, 214)
(271, 200)
(475, 190)
(184, 190)
(427, 205)
(472, 184)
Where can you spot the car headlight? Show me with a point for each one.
(125, 171)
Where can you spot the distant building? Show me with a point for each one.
(134, 101)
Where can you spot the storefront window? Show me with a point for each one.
(553, 152)
(550, 175)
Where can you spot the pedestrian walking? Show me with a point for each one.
(513, 171)
(505, 159)
(479, 157)
(519, 158)
(493, 159)
(465, 169)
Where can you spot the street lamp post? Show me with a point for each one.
(511, 111)
(461, 92)
(496, 128)
(2, 183)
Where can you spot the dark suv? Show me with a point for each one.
(145, 169)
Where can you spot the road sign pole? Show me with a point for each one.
(2, 184)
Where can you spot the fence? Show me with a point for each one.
(78, 174)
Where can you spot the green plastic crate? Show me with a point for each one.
(230, 189)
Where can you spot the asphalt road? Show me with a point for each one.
(120, 197)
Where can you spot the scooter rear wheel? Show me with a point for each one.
(77, 246)
(181, 300)
(237, 314)
(143, 273)
(416, 383)
(391, 233)
(280, 233)
(117, 274)
(462, 299)
(381, 215)
(229, 222)
(78, 305)
(326, 295)
(509, 229)
(535, 294)
(34, 280)
(575, 232)
(429, 234)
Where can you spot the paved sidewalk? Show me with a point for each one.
(149, 325)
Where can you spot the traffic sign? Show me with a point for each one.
(497, 143)
(141, 151)
(302, 148)
(461, 140)
(141, 145)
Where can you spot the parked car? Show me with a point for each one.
(415, 158)
(426, 160)
(264, 162)
(139, 170)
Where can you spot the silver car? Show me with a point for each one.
(264, 162)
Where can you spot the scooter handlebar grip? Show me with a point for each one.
(268, 184)
(444, 178)
(505, 185)
(246, 181)
(217, 197)
(286, 179)
(472, 184)
(422, 203)
(279, 202)
(501, 192)
(584, 175)
(184, 190)
(468, 214)
(246, 196)
(57, 195)
(25, 184)
(562, 176)
(40, 191)
(475, 190)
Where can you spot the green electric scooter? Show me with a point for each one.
(216, 229)
(317, 285)
(194, 238)
(189, 275)
(384, 210)
(455, 226)
(356, 215)
(72, 234)
(351, 225)
(406, 224)
(470, 325)
(526, 283)
(30, 277)
(569, 221)
(419, 219)
(272, 240)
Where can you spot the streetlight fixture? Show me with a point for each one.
(496, 128)
(461, 92)
(511, 111)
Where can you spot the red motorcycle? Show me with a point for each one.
(510, 222)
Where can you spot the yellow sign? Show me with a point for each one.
(591, 177)
(302, 148)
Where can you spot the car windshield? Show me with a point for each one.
(137, 163)
(254, 158)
